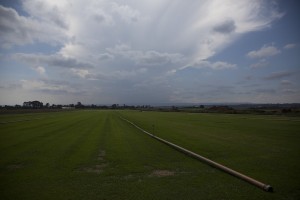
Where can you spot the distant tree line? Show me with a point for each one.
(40, 105)
(29, 106)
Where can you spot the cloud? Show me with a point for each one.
(264, 52)
(20, 30)
(126, 12)
(261, 63)
(265, 91)
(154, 26)
(39, 69)
(145, 57)
(10, 86)
(219, 65)
(119, 75)
(50, 86)
(127, 47)
(290, 46)
(278, 75)
(286, 82)
(225, 27)
(251, 16)
(47, 12)
(208, 93)
(53, 60)
(82, 73)
(105, 56)
(290, 91)
(109, 77)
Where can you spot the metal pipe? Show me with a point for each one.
(248, 179)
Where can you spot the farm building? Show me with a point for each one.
(33, 104)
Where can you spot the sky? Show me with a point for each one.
(149, 52)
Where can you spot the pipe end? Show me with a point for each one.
(268, 188)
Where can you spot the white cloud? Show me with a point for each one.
(125, 12)
(152, 26)
(145, 57)
(222, 65)
(20, 30)
(261, 63)
(42, 85)
(264, 52)
(39, 69)
(290, 46)
(231, 18)
(219, 65)
(82, 73)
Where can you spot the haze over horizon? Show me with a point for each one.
(149, 52)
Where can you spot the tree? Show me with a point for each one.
(114, 106)
(79, 105)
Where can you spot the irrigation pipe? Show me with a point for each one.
(232, 172)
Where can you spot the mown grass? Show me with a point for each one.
(263, 147)
(96, 155)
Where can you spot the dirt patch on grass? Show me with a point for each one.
(101, 155)
(95, 169)
(162, 173)
(129, 177)
(15, 166)
(92, 170)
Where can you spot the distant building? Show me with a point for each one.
(68, 107)
(33, 104)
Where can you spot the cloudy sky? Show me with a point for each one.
(149, 52)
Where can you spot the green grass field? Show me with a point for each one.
(97, 155)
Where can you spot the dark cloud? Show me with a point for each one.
(263, 90)
(54, 60)
(226, 27)
(105, 56)
(286, 82)
(99, 18)
(10, 86)
(290, 91)
(278, 75)
(55, 87)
